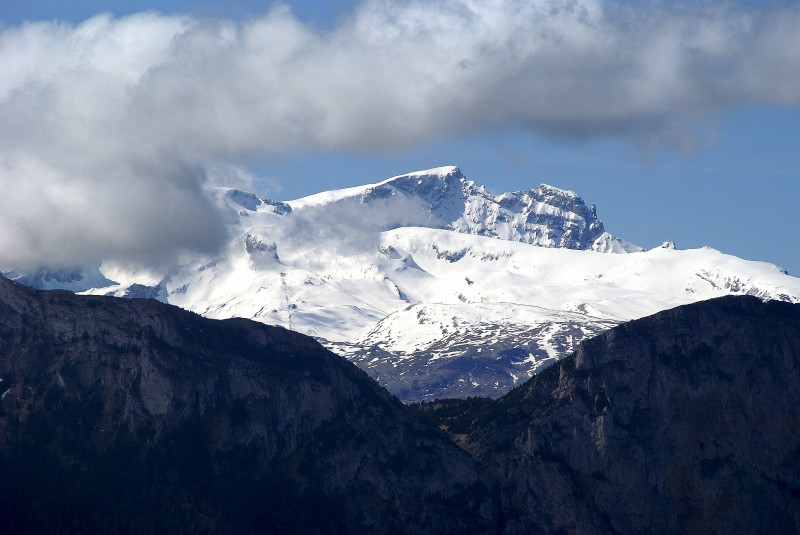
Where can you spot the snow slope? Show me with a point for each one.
(437, 287)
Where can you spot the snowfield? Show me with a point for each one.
(434, 285)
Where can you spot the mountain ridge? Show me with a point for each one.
(683, 421)
(354, 267)
(135, 416)
(535, 216)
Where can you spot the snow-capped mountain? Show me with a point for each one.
(444, 198)
(436, 286)
(74, 278)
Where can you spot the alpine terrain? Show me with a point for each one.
(682, 422)
(133, 416)
(431, 283)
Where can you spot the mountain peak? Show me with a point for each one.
(445, 171)
(546, 216)
(421, 183)
(238, 199)
(547, 189)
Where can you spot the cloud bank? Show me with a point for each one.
(108, 129)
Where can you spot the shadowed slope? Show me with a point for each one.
(685, 421)
(134, 416)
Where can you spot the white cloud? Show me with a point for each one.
(349, 226)
(108, 129)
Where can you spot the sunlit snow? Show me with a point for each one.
(427, 267)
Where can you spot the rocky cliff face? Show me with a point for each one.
(134, 416)
(683, 422)
(544, 216)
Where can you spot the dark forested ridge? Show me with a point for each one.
(130, 416)
(133, 416)
(683, 422)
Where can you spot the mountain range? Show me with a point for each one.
(133, 416)
(431, 283)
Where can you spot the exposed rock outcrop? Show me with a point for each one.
(545, 216)
(683, 422)
(134, 416)
(125, 415)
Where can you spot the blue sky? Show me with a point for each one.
(712, 158)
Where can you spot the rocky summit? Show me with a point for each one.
(545, 216)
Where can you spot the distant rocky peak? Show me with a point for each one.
(429, 185)
(438, 176)
(547, 189)
(546, 216)
(565, 200)
(75, 277)
(43, 274)
(252, 202)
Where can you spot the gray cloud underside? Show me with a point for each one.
(108, 128)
